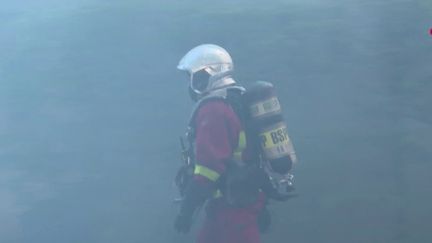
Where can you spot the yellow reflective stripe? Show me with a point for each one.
(206, 172)
(242, 140)
(241, 146)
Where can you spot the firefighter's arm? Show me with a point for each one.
(213, 149)
(214, 141)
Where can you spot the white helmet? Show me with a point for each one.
(209, 67)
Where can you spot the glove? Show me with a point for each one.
(195, 196)
(183, 223)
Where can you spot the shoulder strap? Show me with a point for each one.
(230, 95)
(235, 99)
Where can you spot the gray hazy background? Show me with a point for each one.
(91, 107)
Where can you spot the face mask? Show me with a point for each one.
(200, 81)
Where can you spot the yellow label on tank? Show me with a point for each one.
(275, 137)
(269, 106)
(275, 142)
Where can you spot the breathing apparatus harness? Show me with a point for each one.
(259, 111)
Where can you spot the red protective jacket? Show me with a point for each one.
(218, 131)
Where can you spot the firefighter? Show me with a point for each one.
(225, 169)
